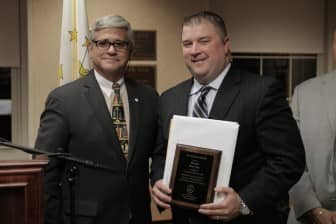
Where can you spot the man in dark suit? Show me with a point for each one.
(108, 119)
(269, 156)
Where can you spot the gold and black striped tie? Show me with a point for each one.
(118, 119)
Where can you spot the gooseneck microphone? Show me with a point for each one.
(60, 155)
(32, 151)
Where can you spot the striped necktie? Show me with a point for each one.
(200, 107)
(118, 119)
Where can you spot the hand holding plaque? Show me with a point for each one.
(194, 175)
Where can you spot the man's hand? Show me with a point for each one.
(161, 194)
(226, 209)
(324, 216)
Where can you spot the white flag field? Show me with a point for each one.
(74, 59)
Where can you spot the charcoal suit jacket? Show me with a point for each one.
(76, 119)
(269, 156)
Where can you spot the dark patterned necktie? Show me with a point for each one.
(118, 119)
(201, 107)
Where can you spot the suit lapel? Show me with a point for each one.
(227, 92)
(134, 101)
(97, 102)
(328, 88)
(182, 98)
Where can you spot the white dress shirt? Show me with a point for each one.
(106, 87)
(210, 97)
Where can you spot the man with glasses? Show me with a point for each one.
(269, 156)
(106, 118)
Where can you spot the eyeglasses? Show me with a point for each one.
(117, 45)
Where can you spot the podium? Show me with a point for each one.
(21, 193)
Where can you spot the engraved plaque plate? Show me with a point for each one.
(194, 175)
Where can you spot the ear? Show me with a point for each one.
(227, 42)
(89, 49)
(90, 46)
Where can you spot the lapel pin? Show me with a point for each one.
(136, 99)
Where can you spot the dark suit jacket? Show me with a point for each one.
(269, 156)
(77, 119)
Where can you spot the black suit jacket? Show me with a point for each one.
(77, 120)
(269, 156)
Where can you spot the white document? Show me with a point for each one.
(204, 133)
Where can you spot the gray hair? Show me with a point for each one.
(211, 17)
(113, 21)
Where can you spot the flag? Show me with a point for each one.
(74, 59)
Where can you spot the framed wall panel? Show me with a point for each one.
(145, 45)
(145, 74)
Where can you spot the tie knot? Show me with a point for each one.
(200, 106)
(205, 90)
(116, 87)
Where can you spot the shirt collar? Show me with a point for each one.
(105, 84)
(215, 84)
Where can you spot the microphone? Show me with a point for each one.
(60, 155)
(83, 162)
(32, 151)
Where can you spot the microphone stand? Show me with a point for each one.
(72, 173)
(71, 178)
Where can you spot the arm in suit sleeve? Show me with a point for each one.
(280, 145)
(53, 133)
(159, 153)
(302, 196)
